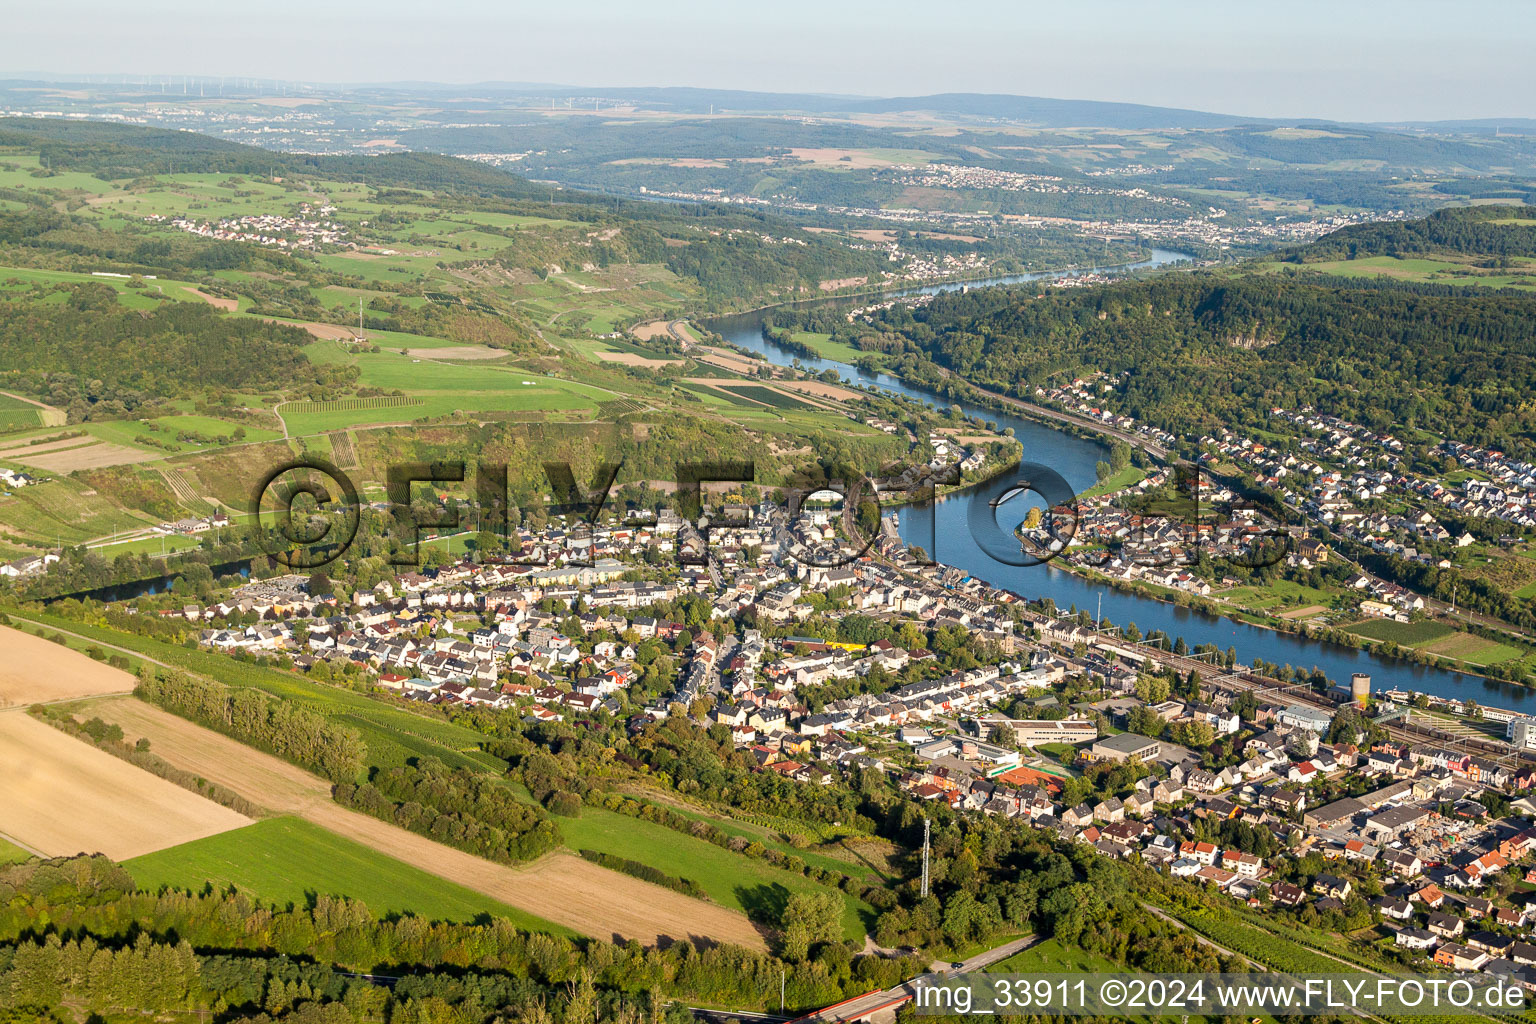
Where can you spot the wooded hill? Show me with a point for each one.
(1491, 231)
(1204, 351)
(724, 249)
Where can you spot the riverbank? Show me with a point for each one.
(1339, 636)
(942, 530)
(988, 280)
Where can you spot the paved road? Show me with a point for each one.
(864, 1006)
(1130, 437)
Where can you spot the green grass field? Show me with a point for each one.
(10, 853)
(1050, 957)
(289, 861)
(731, 879)
(1116, 481)
(1439, 271)
(149, 546)
(438, 388)
(824, 346)
(1277, 596)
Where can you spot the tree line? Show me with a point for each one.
(465, 810)
(279, 727)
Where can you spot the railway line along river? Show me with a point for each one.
(943, 532)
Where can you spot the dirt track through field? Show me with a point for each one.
(63, 796)
(560, 887)
(37, 671)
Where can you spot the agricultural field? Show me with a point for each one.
(559, 887)
(16, 414)
(286, 860)
(113, 807)
(1449, 269)
(755, 888)
(1444, 640)
(10, 853)
(134, 293)
(440, 388)
(63, 510)
(393, 734)
(38, 671)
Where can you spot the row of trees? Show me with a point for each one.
(74, 929)
(279, 727)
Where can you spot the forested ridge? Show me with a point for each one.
(1492, 231)
(1204, 351)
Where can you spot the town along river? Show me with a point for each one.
(943, 532)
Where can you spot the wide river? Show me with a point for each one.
(942, 530)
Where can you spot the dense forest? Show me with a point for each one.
(81, 349)
(1200, 352)
(463, 809)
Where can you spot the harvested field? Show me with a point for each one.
(822, 390)
(456, 352)
(1304, 613)
(560, 887)
(227, 305)
(634, 359)
(857, 159)
(647, 331)
(63, 796)
(729, 361)
(92, 456)
(36, 671)
(774, 397)
(325, 332)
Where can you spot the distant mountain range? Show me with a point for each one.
(1045, 112)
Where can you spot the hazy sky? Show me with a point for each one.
(1344, 59)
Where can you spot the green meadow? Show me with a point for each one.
(754, 887)
(290, 861)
